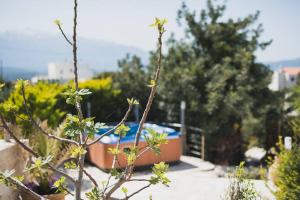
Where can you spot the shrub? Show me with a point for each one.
(105, 101)
(42, 101)
(241, 188)
(46, 101)
(286, 173)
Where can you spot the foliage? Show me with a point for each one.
(74, 96)
(74, 126)
(131, 68)
(78, 131)
(94, 194)
(43, 102)
(46, 102)
(5, 90)
(131, 154)
(240, 187)
(159, 170)
(122, 130)
(60, 184)
(215, 71)
(104, 101)
(154, 140)
(50, 151)
(286, 174)
(4, 177)
(43, 145)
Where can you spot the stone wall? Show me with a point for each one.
(12, 156)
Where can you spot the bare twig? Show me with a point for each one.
(35, 123)
(31, 151)
(115, 187)
(144, 151)
(114, 128)
(88, 175)
(74, 45)
(138, 191)
(63, 33)
(61, 173)
(153, 89)
(77, 105)
(129, 168)
(68, 191)
(138, 179)
(24, 146)
(23, 188)
(113, 163)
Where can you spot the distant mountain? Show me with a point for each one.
(13, 73)
(284, 63)
(31, 53)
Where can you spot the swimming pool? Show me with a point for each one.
(170, 152)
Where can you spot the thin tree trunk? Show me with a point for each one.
(79, 179)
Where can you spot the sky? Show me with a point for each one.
(126, 21)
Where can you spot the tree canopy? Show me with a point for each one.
(214, 69)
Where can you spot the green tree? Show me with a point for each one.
(132, 80)
(215, 71)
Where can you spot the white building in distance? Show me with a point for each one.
(285, 77)
(64, 71)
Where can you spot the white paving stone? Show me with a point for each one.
(191, 179)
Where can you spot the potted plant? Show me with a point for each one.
(43, 181)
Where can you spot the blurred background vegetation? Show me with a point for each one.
(213, 69)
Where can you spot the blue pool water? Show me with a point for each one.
(113, 138)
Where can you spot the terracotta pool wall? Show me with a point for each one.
(99, 156)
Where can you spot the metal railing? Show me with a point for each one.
(193, 139)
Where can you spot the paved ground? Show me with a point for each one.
(191, 179)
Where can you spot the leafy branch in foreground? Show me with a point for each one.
(79, 133)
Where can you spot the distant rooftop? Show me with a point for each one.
(291, 70)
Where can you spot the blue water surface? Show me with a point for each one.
(130, 136)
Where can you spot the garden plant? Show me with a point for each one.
(285, 172)
(240, 187)
(79, 133)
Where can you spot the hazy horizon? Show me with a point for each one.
(126, 22)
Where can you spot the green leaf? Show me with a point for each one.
(77, 151)
(152, 83)
(94, 194)
(159, 170)
(60, 184)
(57, 22)
(159, 23)
(124, 190)
(70, 165)
(19, 178)
(84, 92)
(20, 83)
(40, 162)
(4, 177)
(131, 154)
(114, 172)
(122, 130)
(72, 127)
(114, 151)
(73, 96)
(132, 101)
(155, 139)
